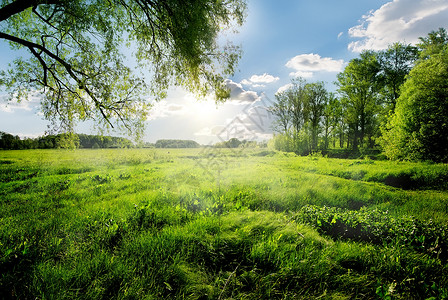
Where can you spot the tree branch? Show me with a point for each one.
(66, 65)
(20, 5)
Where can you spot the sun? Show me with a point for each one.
(202, 110)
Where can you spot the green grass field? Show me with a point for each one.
(220, 224)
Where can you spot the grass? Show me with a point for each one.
(220, 224)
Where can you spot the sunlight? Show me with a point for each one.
(202, 110)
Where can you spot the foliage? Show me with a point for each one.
(365, 115)
(395, 63)
(317, 99)
(418, 130)
(9, 141)
(176, 144)
(63, 141)
(298, 114)
(378, 227)
(75, 59)
(98, 141)
(130, 223)
(236, 143)
(359, 86)
(433, 43)
(231, 143)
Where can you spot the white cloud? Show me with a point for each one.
(284, 88)
(305, 64)
(239, 95)
(210, 131)
(340, 34)
(251, 123)
(301, 74)
(398, 20)
(163, 109)
(175, 107)
(245, 82)
(260, 80)
(265, 78)
(10, 106)
(242, 128)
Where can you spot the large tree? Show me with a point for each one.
(395, 63)
(76, 56)
(358, 85)
(419, 128)
(316, 101)
(281, 110)
(433, 43)
(291, 115)
(297, 104)
(332, 116)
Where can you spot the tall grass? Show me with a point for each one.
(148, 224)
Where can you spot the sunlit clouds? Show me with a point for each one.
(32, 103)
(399, 20)
(164, 109)
(238, 95)
(283, 88)
(306, 64)
(260, 80)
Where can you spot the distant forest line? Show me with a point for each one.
(86, 141)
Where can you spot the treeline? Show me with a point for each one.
(176, 144)
(395, 100)
(63, 141)
(75, 141)
(236, 143)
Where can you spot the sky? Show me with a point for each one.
(281, 40)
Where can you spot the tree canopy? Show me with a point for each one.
(395, 63)
(419, 128)
(359, 86)
(394, 100)
(298, 113)
(77, 56)
(176, 144)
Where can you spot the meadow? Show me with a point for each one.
(220, 224)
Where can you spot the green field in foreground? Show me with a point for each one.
(220, 224)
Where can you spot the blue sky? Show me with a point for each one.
(282, 39)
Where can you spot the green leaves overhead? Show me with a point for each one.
(76, 57)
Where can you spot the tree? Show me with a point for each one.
(433, 43)
(297, 99)
(419, 128)
(176, 144)
(66, 141)
(291, 115)
(316, 101)
(395, 63)
(9, 141)
(75, 57)
(281, 112)
(359, 85)
(298, 113)
(331, 116)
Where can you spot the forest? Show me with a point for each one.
(86, 141)
(393, 100)
(63, 141)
